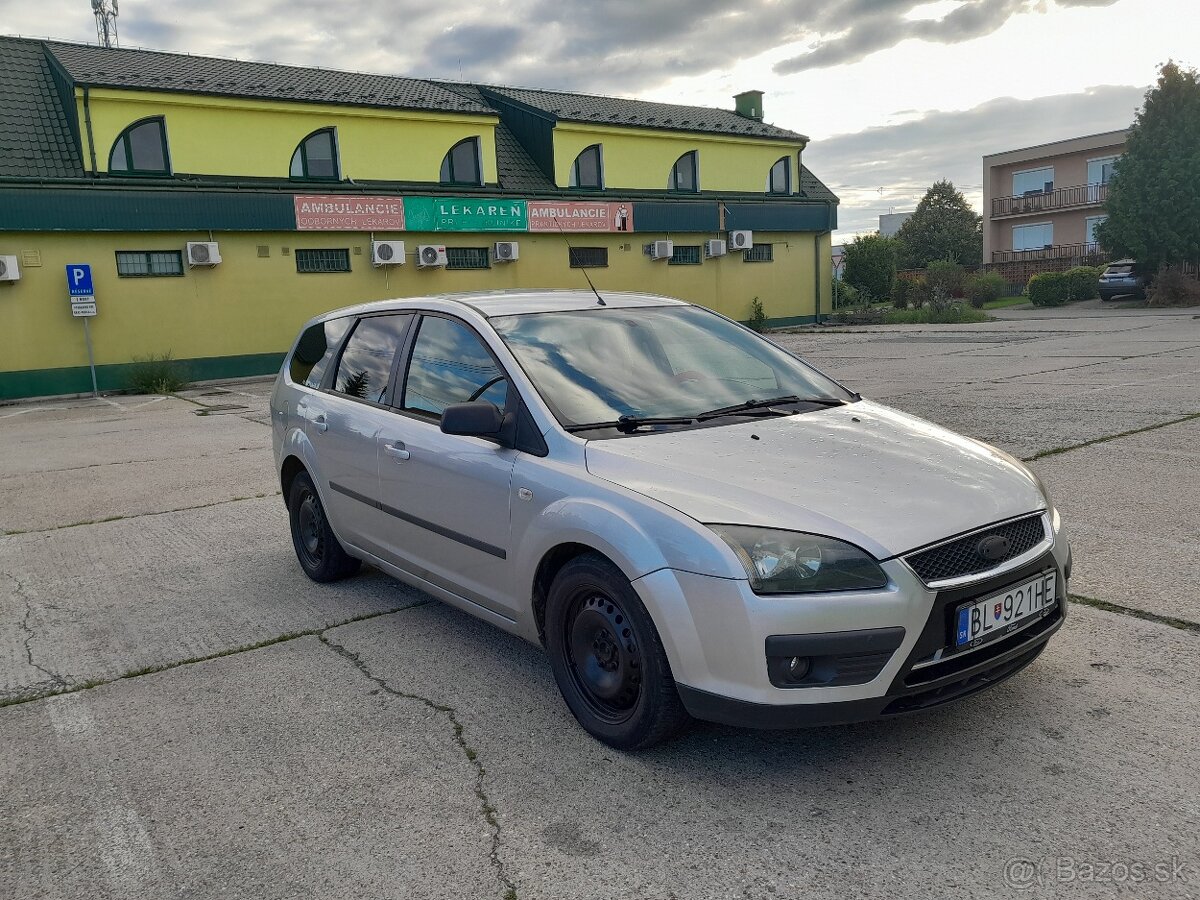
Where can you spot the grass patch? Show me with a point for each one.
(157, 374)
(954, 314)
(1003, 302)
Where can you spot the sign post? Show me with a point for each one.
(83, 306)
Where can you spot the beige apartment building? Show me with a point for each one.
(1043, 203)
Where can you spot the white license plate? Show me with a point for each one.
(984, 620)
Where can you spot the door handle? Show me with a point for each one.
(396, 450)
(320, 421)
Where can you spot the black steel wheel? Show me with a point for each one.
(607, 657)
(321, 556)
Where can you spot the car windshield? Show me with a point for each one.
(597, 366)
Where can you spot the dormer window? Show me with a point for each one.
(462, 164)
(779, 181)
(587, 172)
(316, 157)
(685, 174)
(141, 149)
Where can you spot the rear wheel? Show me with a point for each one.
(608, 659)
(321, 556)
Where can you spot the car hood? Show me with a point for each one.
(876, 477)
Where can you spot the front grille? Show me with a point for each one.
(961, 557)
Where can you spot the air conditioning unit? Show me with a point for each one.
(741, 240)
(203, 253)
(387, 253)
(431, 256)
(662, 249)
(507, 251)
(715, 248)
(9, 271)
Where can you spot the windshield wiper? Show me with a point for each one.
(632, 423)
(754, 405)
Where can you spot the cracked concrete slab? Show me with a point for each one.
(279, 773)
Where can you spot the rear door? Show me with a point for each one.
(448, 495)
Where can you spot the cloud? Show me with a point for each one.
(905, 159)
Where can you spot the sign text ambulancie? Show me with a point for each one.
(349, 213)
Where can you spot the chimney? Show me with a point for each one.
(749, 105)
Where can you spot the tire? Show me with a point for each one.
(321, 556)
(608, 659)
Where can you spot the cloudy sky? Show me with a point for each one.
(894, 93)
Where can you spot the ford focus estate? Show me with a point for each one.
(690, 520)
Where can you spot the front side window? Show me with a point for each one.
(149, 263)
(1033, 181)
(366, 365)
(779, 181)
(1033, 237)
(314, 351)
(585, 172)
(316, 157)
(462, 164)
(450, 364)
(594, 366)
(684, 174)
(141, 149)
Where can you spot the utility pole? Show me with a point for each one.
(105, 12)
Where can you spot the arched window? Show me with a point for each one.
(779, 181)
(685, 174)
(462, 164)
(141, 149)
(316, 157)
(587, 171)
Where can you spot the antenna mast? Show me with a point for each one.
(106, 22)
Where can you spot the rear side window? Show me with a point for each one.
(314, 351)
(450, 364)
(366, 364)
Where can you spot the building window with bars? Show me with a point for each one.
(588, 257)
(759, 253)
(686, 255)
(322, 260)
(149, 263)
(467, 258)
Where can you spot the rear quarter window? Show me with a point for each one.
(315, 350)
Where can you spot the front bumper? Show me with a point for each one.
(881, 650)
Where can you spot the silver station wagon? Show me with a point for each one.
(690, 520)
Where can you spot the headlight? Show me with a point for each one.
(789, 562)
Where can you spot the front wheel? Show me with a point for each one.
(321, 556)
(608, 659)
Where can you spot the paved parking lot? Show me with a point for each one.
(185, 715)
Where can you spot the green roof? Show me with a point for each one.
(36, 140)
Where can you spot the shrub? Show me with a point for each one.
(1173, 288)
(952, 313)
(844, 295)
(157, 374)
(859, 315)
(870, 264)
(1047, 289)
(949, 276)
(1083, 283)
(900, 293)
(984, 287)
(758, 316)
(918, 292)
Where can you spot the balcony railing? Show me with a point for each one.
(1055, 251)
(1057, 198)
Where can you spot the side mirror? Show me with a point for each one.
(479, 418)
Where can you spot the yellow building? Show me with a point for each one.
(219, 204)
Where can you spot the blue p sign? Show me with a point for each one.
(79, 280)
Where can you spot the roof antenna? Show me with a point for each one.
(582, 268)
(105, 12)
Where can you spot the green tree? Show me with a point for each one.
(944, 227)
(1154, 197)
(870, 265)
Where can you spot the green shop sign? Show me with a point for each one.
(464, 214)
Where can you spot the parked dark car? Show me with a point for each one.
(1123, 278)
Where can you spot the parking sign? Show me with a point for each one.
(79, 280)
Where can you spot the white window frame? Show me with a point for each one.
(1042, 185)
(1089, 227)
(1100, 159)
(1049, 225)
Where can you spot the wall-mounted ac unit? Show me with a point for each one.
(431, 256)
(741, 240)
(507, 251)
(203, 253)
(715, 248)
(9, 270)
(662, 249)
(387, 253)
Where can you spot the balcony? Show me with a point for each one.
(1054, 251)
(1045, 201)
